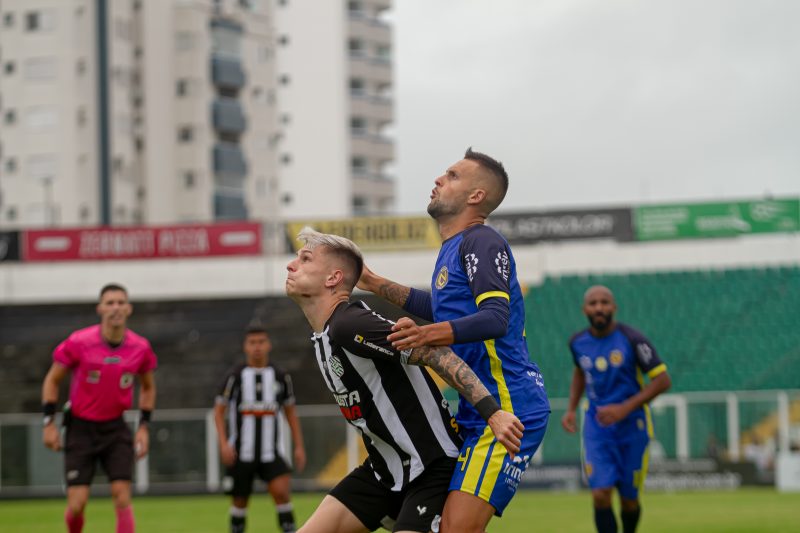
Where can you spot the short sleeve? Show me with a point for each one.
(486, 259)
(149, 361)
(363, 332)
(287, 395)
(645, 353)
(227, 388)
(66, 354)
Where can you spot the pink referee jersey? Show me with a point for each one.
(103, 376)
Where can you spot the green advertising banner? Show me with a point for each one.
(723, 219)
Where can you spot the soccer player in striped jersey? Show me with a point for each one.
(610, 360)
(253, 393)
(477, 308)
(105, 360)
(405, 423)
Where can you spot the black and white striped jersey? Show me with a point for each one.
(254, 398)
(403, 419)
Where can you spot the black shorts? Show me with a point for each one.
(239, 478)
(88, 442)
(418, 507)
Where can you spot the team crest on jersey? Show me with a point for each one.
(616, 358)
(585, 362)
(93, 376)
(502, 264)
(336, 366)
(441, 277)
(126, 380)
(601, 364)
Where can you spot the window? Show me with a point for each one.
(286, 159)
(84, 213)
(182, 87)
(44, 20)
(226, 41)
(9, 67)
(283, 40)
(286, 118)
(40, 68)
(10, 117)
(8, 20)
(80, 66)
(41, 166)
(358, 86)
(184, 41)
(40, 118)
(284, 79)
(185, 134)
(11, 165)
(358, 125)
(81, 116)
(359, 165)
(188, 179)
(384, 52)
(359, 205)
(356, 47)
(11, 213)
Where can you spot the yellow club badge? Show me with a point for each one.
(441, 277)
(601, 364)
(616, 358)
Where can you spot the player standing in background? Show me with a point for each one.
(405, 423)
(610, 358)
(477, 307)
(104, 361)
(253, 393)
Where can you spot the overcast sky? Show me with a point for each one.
(600, 102)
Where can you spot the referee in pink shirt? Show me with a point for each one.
(104, 360)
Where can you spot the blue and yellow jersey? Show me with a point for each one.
(472, 266)
(614, 367)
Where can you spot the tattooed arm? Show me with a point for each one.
(506, 427)
(386, 289)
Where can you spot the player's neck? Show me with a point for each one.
(112, 334)
(604, 332)
(319, 310)
(449, 226)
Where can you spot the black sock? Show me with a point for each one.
(286, 517)
(238, 517)
(605, 520)
(630, 520)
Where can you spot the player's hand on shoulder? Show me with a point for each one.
(51, 437)
(507, 430)
(568, 422)
(406, 334)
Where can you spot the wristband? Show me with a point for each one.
(486, 407)
(49, 409)
(145, 417)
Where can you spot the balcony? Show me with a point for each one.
(229, 160)
(227, 73)
(228, 116)
(376, 108)
(229, 205)
(369, 29)
(370, 68)
(371, 145)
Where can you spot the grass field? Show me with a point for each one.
(743, 511)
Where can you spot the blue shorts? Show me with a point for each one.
(484, 468)
(620, 462)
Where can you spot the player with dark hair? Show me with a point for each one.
(406, 426)
(253, 393)
(477, 308)
(610, 359)
(104, 360)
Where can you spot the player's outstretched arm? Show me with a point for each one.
(380, 286)
(506, 427)
(50, 434)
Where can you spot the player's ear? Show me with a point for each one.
(334, 278)
(476, 196)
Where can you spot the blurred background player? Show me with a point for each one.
(477, 306)
(104, 360)
(610, 358)
(405, 423)
(253, 393)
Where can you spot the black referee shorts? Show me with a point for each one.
(238, 480)
(87, 442)
(416, 508)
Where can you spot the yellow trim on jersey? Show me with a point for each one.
(640, 475)
(475, 461)
(497, 373)
(491, 294)
(648, 417)
(492, 471)
(660, 369)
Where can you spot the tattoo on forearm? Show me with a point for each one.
(452, 369)
(394, 292)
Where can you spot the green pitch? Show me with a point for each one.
(744, 511)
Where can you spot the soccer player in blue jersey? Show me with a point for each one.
(475, 306)
(610, 360)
